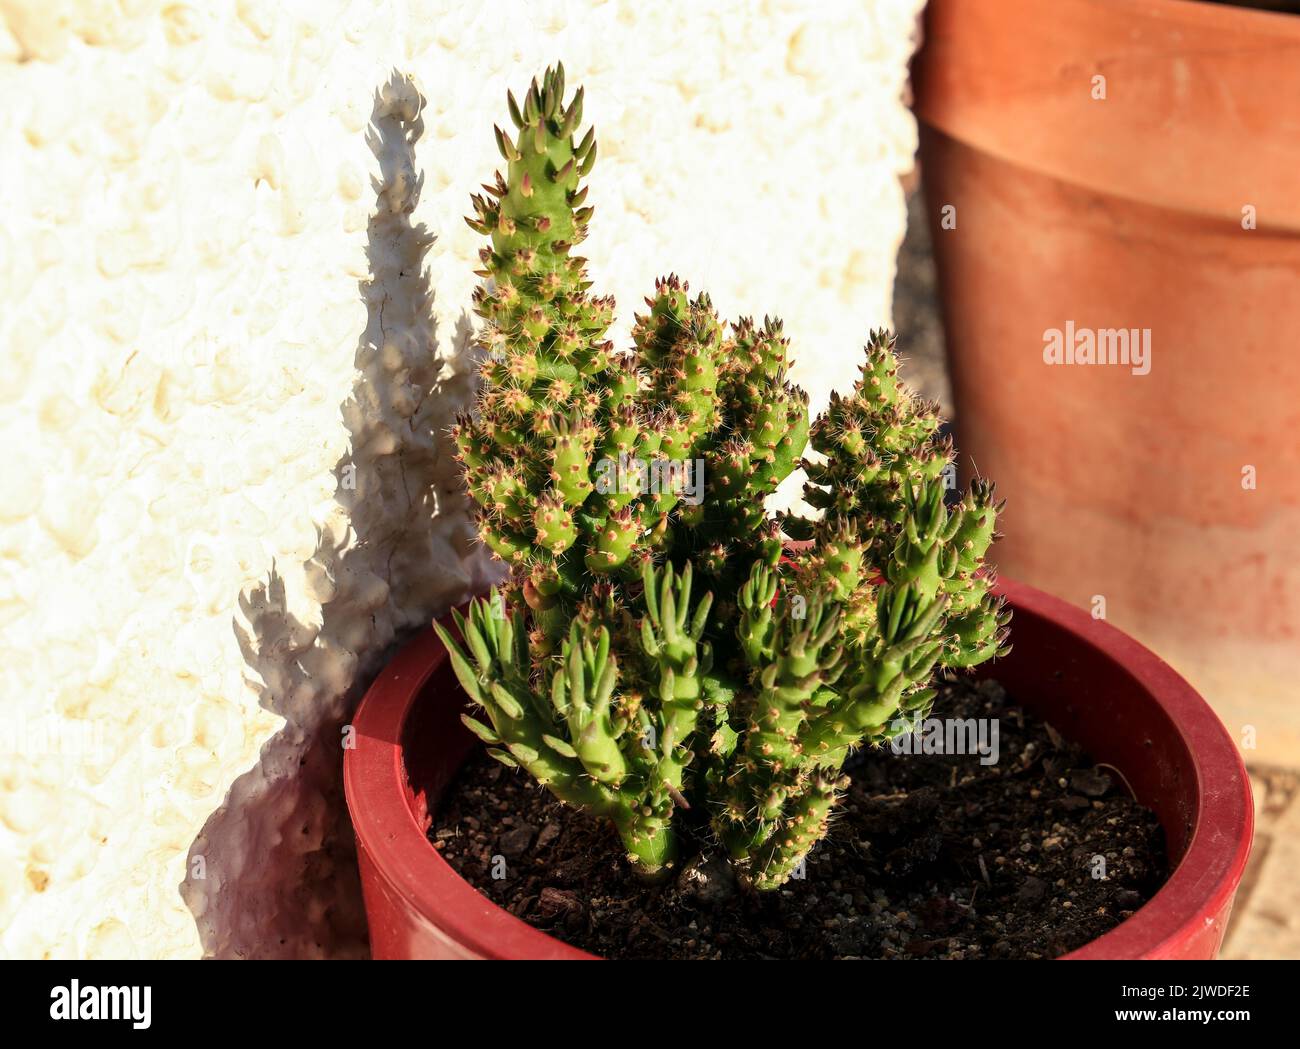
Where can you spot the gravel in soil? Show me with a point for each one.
(931, 855)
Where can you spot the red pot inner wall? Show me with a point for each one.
(429, 770)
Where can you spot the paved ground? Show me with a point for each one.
(1266, 917)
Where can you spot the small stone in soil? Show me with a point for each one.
(514, 842)
(1032, 890)
(709, 879)
(556, 902)
(1127, 899)
(1092, 782)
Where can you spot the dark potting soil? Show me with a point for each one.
(931, 855)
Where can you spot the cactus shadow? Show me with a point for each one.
(276, 868)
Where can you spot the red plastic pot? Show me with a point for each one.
(1094, 684)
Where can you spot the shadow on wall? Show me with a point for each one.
(273, 873)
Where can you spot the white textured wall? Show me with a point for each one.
(211, 327)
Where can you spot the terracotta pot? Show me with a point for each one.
(1127, 212)
(1093, 683)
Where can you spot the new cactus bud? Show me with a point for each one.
(571, 462)
(837, 565)
(615, 538)
(507, 545)
(554, 524)
(733, 467)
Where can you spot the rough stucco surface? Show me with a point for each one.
(225, 378)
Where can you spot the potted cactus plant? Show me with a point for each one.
(659, 655)
(626, 493)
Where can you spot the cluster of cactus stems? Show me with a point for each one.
(658, 655)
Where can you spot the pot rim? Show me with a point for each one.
(1190, 122)
(1201, 884)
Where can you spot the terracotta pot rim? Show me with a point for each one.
(1203, 882)
(1216, 14)
(1195, 119)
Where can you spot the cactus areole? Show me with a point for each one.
(652, 658)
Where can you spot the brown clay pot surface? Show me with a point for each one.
(1129, 212)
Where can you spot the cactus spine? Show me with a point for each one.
(609, 482)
